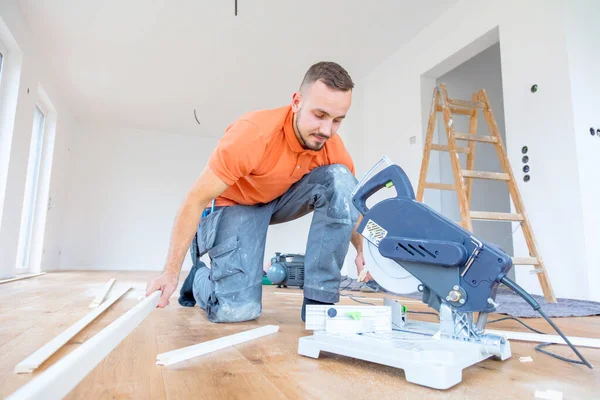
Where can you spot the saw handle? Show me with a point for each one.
(392, 175)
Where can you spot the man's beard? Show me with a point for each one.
(305, 145)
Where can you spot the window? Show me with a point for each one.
(31, 186)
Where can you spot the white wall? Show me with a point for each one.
(480, 72)
(29, 83)
(583, 40)
(533, 51)
(125, 189)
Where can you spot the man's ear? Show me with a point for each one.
(296, 101)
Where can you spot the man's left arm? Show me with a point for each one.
(342, 156)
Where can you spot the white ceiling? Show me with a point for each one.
(148, 63)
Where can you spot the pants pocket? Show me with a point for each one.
(226, 266)
(205, 235)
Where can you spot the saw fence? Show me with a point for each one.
(463, 177)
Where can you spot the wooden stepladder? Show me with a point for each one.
(463, 177)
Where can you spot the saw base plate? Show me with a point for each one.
(426, 361)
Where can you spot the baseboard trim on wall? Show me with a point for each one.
(19, 277)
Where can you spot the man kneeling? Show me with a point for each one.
(270, 167)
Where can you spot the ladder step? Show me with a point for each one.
(475, 138)
(525, 261)
(456, 110)
(441, 147)
(499, 176)
(496, 216)
(465, 103)
(441, 186)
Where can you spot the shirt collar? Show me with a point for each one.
(290, 135)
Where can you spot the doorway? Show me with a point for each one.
(482, 71)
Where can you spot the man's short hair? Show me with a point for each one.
(333, 75)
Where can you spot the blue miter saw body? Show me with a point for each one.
(454, 267)
(410, 246)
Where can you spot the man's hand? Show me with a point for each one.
(165, 282)
(360, 264)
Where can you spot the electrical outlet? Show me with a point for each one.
(413, 139)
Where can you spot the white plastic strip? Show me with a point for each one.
(101, 296)
(18, 278)
(185, 353)
(58, 380)
(349, 296)
(42, 354)
(317, 317)
(536, 337)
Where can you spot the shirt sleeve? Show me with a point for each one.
(238, 153)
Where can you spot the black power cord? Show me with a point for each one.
(519, 321)
(536, 306)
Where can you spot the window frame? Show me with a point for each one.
(29, 211)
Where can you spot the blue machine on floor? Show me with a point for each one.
(286, 270)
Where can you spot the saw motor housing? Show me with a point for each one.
(455, 268)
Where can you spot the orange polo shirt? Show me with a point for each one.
(260, 157)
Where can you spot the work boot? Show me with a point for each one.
(310, 301)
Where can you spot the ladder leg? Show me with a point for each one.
(427, 147)
(517, 200)
(456, 169)
(471, 155)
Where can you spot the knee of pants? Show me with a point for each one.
(238, 308)
(237, 286)
(341, 183)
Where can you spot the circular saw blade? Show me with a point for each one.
(388, 273)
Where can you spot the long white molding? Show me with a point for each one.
(100, 298)
(43, 353)
(58, 380)
(185, 353)
(19, 277)
(536, 337)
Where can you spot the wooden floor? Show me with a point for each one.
(35, 310)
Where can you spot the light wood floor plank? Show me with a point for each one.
(266, 368)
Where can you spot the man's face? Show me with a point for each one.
(319, 111)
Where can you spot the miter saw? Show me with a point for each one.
(410, 247)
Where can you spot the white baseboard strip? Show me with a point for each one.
(536, 337)
(185, 353)
(58, 380)
(19, 277)
(43, 353)
(101, 296)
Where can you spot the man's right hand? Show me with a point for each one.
(166, 283)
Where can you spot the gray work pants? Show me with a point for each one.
(234, 237)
